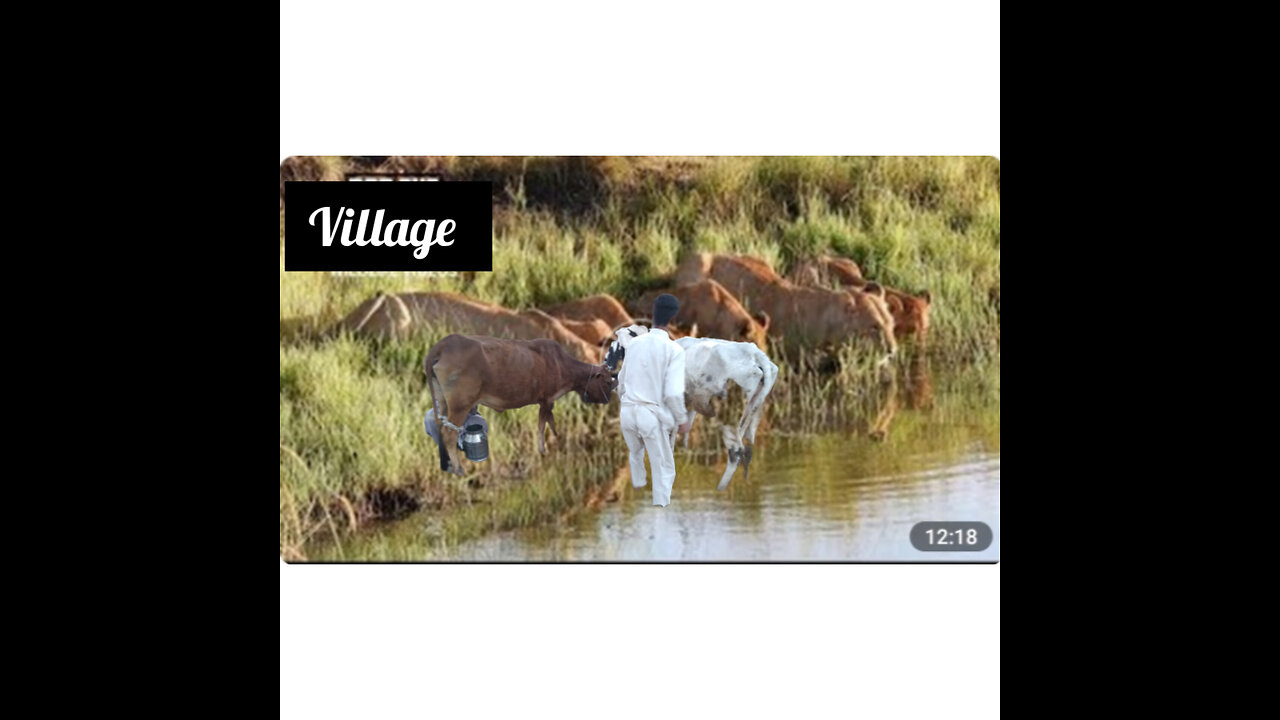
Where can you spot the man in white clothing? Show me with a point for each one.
(651, 389)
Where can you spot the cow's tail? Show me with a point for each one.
(755, 404)
(437, 400)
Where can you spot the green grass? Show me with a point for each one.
(352, 445)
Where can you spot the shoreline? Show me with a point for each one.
(559, 486)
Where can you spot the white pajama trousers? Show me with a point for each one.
(643, 430)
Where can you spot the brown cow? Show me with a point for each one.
(708, 306)
(803, 316)
(468, 370)
(593, 307)
(910, 312)
(815, 317)
(399, 315)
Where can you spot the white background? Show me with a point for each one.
(664, 78)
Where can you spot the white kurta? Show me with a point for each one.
(651, 389)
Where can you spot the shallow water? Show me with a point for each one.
(847, 494)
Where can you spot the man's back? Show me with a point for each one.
(653, 371)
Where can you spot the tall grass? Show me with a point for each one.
(352, 447)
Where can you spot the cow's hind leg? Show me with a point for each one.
(735, 450)
(439, 400)
(545, 418)
(450, 437)
(444, 456)
(744, 454)
(744, 450)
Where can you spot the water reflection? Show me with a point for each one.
(918, 383)
(911, 387)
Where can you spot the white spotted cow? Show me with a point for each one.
(710, 365)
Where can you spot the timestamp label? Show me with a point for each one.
(957, 536)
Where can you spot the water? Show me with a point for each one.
(848, 494)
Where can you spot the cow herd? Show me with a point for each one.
(732, 308)
(821, 303)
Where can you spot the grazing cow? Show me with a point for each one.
(803, 316)
(707, 305)
(400, 315)
(710, 365)
(468, 370)
(593, 307)
(910, 312)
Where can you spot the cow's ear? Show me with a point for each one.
(874, 289)
(763, 318)
(926, 296)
